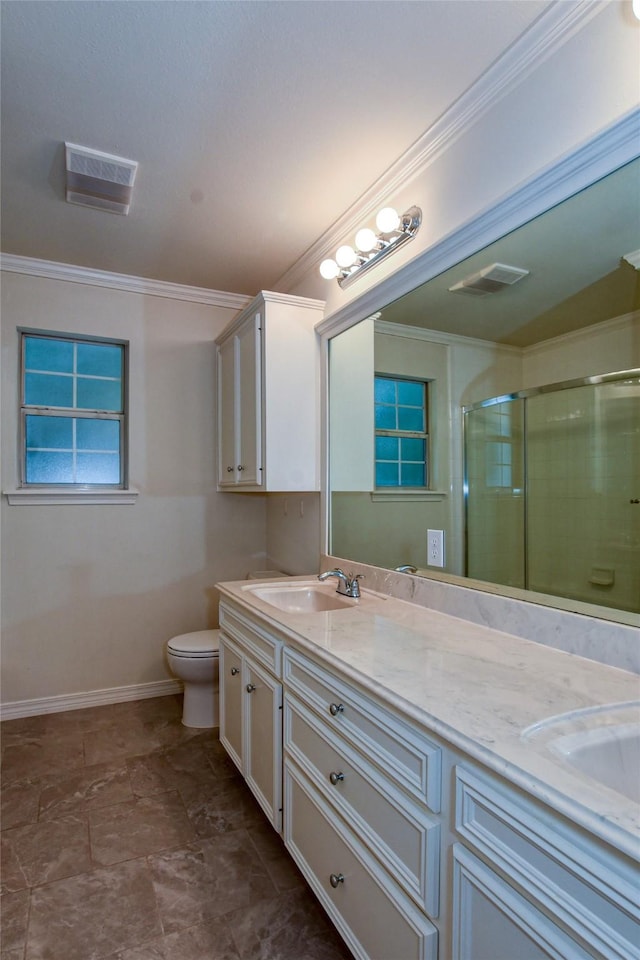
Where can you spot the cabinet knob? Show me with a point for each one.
(234, 671)
(240, 466)
(251, 687)
(335, 709)
(336, 879)
(229, 469)
(336, 777)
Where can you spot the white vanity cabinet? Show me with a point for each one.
(251, 707)
(268, 396)
(361, 788)
(528, 885)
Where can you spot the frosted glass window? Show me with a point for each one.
(401, 432)
(73, 411)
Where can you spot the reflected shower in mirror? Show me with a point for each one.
(556, 300)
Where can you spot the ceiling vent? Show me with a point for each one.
(490, 280)
(99, 180)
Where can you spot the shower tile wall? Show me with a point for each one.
(583, 467)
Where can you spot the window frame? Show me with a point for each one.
(387, 489)
(81, 490)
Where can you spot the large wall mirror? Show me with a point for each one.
(499, 403)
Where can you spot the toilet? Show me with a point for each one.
(193, 658)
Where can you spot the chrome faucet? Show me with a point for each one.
(406, 568)
(348, 586)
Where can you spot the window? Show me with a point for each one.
(401, 432)
(73, 412)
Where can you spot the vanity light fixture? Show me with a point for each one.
(370, 247)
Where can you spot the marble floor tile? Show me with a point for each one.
(222, 806)
(219, 760)
(211, 940)
(117, 742)
(14, 910)
(289, 927)
(49, 850)
(139, 827)
(87, 789)
(38, 757)
(274, 855)
(208, 879)
(93, 916)
(12, 877)
(185, 766)
(19, 802)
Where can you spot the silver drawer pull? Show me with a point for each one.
(336, 777)
(251, 687)
(229, 469)
(335, 709)
(335, 879)
(234, 671)
(241, 466)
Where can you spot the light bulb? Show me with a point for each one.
(346, 256)
(329, 269)
(366, 239)
(387, 220)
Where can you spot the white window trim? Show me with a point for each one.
(407, 494)
(44, 496)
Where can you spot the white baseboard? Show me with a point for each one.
(90, 698)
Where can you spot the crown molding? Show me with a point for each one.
(555, 26)
(51, 270)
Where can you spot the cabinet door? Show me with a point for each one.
(227, 456)
(492, 921)
(263, 740)
(249, 403)
(231, 701)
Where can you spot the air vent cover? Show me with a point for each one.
(490, 280)
(99, 180)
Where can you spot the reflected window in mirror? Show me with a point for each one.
(401, 418)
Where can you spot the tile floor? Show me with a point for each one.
(126, 836)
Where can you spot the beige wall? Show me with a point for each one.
(90, 593)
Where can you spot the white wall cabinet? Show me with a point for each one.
(251, 710)
(268, 396)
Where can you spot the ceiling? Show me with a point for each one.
(256, 123)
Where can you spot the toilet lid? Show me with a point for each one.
(201, 643)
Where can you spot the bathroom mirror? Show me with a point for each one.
(555, 300)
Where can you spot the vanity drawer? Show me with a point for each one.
(402, 835)
(259, 643)
(394, 747)
(377, 921)
(590, 892)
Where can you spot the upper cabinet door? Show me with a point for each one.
(269, 396)
(227, 458)
(249, 403)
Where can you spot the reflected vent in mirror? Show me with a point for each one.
(490, 280)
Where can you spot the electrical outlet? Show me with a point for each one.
(435, 548)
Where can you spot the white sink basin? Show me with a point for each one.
(602, 743)
(302, 597)
(610, 755)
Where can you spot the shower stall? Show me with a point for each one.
(552, 490)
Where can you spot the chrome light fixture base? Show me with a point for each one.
(386, 244)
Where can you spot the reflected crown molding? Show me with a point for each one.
(615, 146)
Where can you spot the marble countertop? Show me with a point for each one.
(478, 688)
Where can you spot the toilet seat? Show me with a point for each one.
(195, 646)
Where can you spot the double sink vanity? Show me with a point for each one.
(449, 791)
